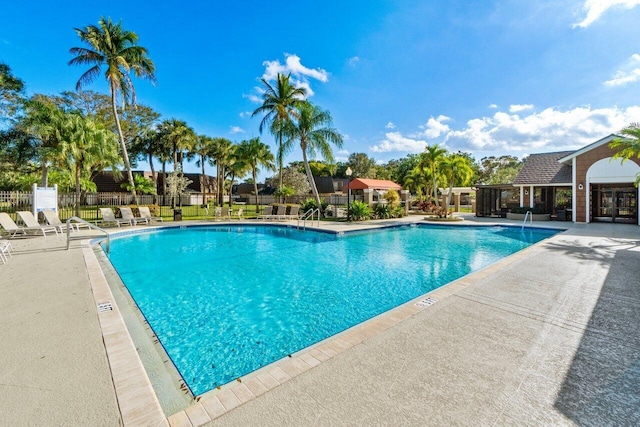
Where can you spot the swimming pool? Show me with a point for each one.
(225, 301)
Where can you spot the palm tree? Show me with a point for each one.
(86, 147)
(203, 150)
(629, 146)
(430, 159)
(222, 156)
(236, 168)
(149, 143)
(255, 154)
(278, 108)
(112, 46)
(313, 127)
(455, 168)
(179, 136)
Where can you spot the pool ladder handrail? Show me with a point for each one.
(530, 216)
(88, 224)
(308, 215)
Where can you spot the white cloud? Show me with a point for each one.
(237, 129)
(516, 108)
(390, 125)
(394, 141)
(595, 8)
(552, 129)
(252, 97)
(245, 114)
(294, 66)
(435, 127)
(629, 74)
(300, 74)
(493, 106)
(353, 61)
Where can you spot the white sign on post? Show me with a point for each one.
(44, 198)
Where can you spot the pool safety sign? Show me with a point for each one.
(44, 198)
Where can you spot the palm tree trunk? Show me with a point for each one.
(312, 182)
(45, 174)
(164, 182)
(154, 178)
(77, 190)
(123, 145)
(280, 160)
(204, 201)
(255, 186)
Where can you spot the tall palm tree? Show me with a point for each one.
(255, 154)
(313, 128)
(236, 168)
(203, 150)
(222, 155)
(149, 143)
(179, 136)
(116, 49)
(430, 159)
(278, 109)
(455, 168)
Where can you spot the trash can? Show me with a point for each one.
(177, 214)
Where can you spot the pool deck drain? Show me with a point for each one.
(504, 345)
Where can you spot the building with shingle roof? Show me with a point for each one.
(584, 185)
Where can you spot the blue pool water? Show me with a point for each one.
(225, 301)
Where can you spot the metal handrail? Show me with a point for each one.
(527, 215)
(88, 224)
(308, 215)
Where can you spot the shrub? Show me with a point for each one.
(310, 204)
(392, 197)
(383, 211)
(359, 211)
(397, 211)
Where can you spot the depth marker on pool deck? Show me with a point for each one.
(426, 302)
(104, 306)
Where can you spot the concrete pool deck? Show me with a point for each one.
(547, 336)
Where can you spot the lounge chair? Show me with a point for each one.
(267, 214)
(145, 212)
(32, 223)
(53, 220)
(294, 212)
(5, 251)
(108, 217)
(281, 213)
(239, 214)
(225, 212)
(127, 214)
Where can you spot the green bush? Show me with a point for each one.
(310, 204)
(383, 211)
(359, 211)
(397, 211)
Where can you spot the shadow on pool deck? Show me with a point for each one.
(602, 386)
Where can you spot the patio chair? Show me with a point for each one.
(294, 212)
(127, 214)
(225, 212)
(239, 214)
(32, 223)
(108, 217)
(281, 213)
(53, 220)
(145, 212)
(5, 251)
(267, 214)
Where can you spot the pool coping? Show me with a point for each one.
(136, 397)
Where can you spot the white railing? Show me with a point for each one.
(527, 215)
(88, 224)
(309, 215)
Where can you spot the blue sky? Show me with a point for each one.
(485, 77)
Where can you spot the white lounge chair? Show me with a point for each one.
(145, 212)
(267, 214)
(32, 223)
(53, 219)
(294, 212)
(108, 217)
(240, 213)
(5, 251)
(127, 214)
(281, 213)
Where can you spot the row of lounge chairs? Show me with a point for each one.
(280, 214)
(127, 216)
